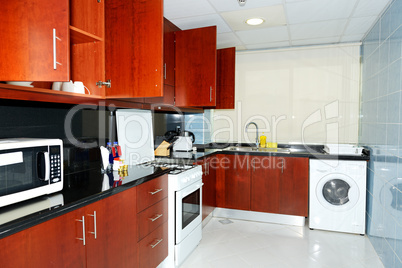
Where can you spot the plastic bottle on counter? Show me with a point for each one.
(109, 148)
(116, 151)
(263, 140)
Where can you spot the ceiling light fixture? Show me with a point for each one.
(254, 21)
(242, 3)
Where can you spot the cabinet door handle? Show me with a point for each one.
(247, 164)
(157, 243)
(164, 67)
(94, 232)
(157, 217)
(157, 191)
(83, 230)
(210, 94)
(252, 164)
(282, 165)
(55, 38)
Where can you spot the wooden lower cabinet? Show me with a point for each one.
(112, 231)
(233, 182)
(279, 185)
(209, 166)
(152, 209)
(270, 184)
(153, 248)
(116, 232)
(40, 246)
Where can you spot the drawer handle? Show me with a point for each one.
(157, 217)
(157, 191)
(157, 243)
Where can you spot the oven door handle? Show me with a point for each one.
(190, 189)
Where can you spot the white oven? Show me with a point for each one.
(188, 210)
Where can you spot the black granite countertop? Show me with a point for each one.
(296, 150)
(80, 189)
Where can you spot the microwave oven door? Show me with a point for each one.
(23, 169)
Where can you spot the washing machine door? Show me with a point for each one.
(337, 192)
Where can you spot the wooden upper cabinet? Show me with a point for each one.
(169, 51)
(134, 48)
(87, 32)
(195, 81)
(225, 78)
(34, 40)
(168, 66)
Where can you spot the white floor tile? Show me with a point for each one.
(256, 244)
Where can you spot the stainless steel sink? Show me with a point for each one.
(257, 150)
(241, 149)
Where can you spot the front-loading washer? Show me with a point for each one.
(338, 195)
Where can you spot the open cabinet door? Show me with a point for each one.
(134, 48)
(34, 40)
(195, 81)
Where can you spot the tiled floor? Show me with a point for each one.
(254, 244)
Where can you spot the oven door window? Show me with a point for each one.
(190, 208)
(20, 171)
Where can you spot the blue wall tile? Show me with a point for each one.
(381, 129)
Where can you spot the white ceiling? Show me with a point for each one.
(287, 22)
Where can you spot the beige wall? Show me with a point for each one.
(298, 95)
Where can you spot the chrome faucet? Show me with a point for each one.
(256, 138)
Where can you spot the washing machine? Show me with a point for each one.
(337, 197)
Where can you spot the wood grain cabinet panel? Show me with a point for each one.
(209, 166)
(152, 217)
(87, 30)
(233, 182)
(116, 231)
(225, 79)
(27, 37)
(134, 48)
(279, 185)
(153, 249)
(151, 192)
(294, 186)
(195, 81)
(53, 243)
(168, 66)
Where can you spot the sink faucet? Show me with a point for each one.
(256, 138)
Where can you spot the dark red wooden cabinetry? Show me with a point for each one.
(209, 166)
(168, 66)
(27, 51)
(134, 48)
(58, 242)
(233, 182)
(195, 81)
(128, 229)
(225, 79)
(263, 183)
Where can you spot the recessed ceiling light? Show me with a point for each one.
(254, 21)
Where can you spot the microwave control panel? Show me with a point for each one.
(55, 164)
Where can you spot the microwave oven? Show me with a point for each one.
(29, 168)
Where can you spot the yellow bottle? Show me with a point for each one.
(263, 140)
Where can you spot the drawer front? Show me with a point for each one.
(152, 192)
(152, 217)
(154, 247)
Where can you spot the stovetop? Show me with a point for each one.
(175, 168)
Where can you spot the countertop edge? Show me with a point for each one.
(32, 220)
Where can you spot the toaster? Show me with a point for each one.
(183, 144)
